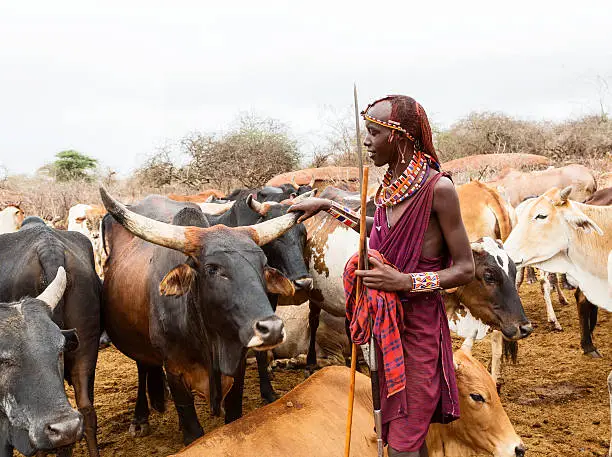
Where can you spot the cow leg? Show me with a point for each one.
(520, 277)
(497, 344)
(587, 314)
(531, 275)
(313, 322)
(265, 385)
(565, 283)
(554, 280)
(82, 375)
(550, 312)
(140, 423)
(183, 400)
(233, 400)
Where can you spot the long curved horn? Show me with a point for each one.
(312, 181)
(304, 196)
(167, 235)
(293, 183)
(255, 205)
(54, 291)
(267, 231)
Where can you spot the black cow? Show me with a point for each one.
(286, 253)
(270, 193)
(34, 412)
(188, 297)
(36, 252)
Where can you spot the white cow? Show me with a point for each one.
(11, 218)
(557, 234)
(87, 219)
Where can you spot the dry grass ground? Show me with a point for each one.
(556, 398)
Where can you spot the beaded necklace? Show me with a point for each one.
(406, 185)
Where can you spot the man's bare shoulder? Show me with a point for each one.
(445, 194)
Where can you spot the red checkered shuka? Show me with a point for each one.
(385, 310)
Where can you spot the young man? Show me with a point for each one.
(418, 228)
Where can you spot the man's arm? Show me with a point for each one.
(446, 206)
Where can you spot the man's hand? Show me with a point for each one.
(310, 207)
(384, 277)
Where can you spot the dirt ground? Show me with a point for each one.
(556, 398)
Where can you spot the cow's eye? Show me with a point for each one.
(541, 216)
(212, 269)
(489, 277)
(478, 398)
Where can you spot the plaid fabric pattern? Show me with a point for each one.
(425, 282)
(385, 310)
(344, 215)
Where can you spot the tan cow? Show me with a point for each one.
(519, 186)
(11, 218)
(311, 419)
(495, 162)
(86, 219)
(560, 235)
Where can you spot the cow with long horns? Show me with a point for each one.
(186, 296)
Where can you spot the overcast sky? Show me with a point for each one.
(117, 80)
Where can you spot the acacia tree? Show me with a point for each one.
(248, 155)
(71, 165)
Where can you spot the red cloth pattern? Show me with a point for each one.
(385, 311)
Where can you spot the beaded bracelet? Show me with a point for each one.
(425, 282)
(344, 215)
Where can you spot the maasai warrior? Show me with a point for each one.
(418, 229)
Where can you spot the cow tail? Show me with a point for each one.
(51, 257)
(511, 351)
(156, 388)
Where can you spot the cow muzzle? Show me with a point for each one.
(268, 333)
(303, 284)
(59, 432)
(514, 332)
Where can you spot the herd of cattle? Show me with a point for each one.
(187, 285)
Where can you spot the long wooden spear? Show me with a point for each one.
(360, 294)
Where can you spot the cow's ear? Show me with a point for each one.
(72, 340)
(79, 219)
(580, 221)
(277, 283)
(178, 281)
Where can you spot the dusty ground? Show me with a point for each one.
(556, 398)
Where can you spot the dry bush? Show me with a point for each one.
(586, 138)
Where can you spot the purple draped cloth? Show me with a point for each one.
(431, 391)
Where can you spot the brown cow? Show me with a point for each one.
(494, 162)
(318, 178)
(202, 197)
(519, 186)
(602, 197)
(311, 419)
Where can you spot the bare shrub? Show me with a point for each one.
(587, 138)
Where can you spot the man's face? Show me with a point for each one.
(377, 138)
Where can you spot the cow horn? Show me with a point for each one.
(293, 183)
(468, 343)
(255, 205)
(54, 291)
(565, 193)
(304, 196)
(312, 181)
(267, 231)
(167, 235)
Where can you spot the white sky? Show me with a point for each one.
(117, 79)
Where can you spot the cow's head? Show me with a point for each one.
(492, 296)
(15, 215)
(484, 425)
(33, 403)
(545, 226)
(225, 272)
(286, 253)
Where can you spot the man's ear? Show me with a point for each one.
(72, 340)
(277, 283)
(178, 281)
